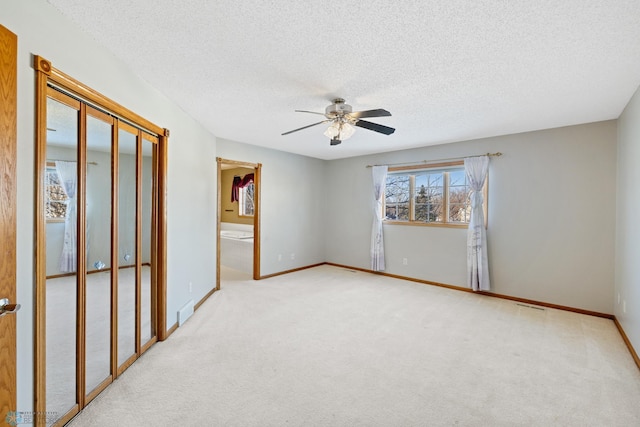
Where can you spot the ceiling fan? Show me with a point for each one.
(342, 120)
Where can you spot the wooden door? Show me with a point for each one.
(8, 189)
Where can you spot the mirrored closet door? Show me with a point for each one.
(98, 251)
(61, 286)
(127, 200)
(98, 227)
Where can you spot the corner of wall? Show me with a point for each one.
(627, 249)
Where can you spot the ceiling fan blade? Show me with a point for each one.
(304, 127)
(375, 127)
(370, 113)
(312, 112)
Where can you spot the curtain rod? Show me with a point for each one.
(497, 154)
(62, 160)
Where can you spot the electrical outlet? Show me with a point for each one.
(405, 261)
(293, 256)
(190, 287)
(618, 297)
(279, 257)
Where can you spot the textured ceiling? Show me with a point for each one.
(447, 70)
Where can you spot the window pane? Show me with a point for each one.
(429, 197)
(56, 198)
(459, 203)
(56, 210)
(397, 211)
(457, 177)
(397, 197)
(246, 200)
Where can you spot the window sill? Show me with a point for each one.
(426, 224)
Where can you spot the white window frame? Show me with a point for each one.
(243, 200)
(51, 169)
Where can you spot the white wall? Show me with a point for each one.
(292, 205)
(551, 217)
(628, 225)
(191, 212)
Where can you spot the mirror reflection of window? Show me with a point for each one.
(55, 196)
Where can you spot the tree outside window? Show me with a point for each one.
(55, 196)
(397, 196)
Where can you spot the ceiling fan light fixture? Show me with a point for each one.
(333, 130)
(346, 131)
(340, 130)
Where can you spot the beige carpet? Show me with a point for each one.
(331, 347)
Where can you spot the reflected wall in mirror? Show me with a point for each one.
(98, 242)
(127, 195)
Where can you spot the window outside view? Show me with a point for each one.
(246, 200)
(56, 198)
(428, 197)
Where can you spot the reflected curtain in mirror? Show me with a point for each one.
(68, 178)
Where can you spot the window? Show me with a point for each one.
(246, 200)
(56, 198)
(438, 195)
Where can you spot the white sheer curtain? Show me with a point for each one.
(377, 242)
(476, 169)
(68, 174)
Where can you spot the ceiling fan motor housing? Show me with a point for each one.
(338, 108)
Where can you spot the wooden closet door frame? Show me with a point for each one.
(153, 276)
(46, 75)
(42, 416)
